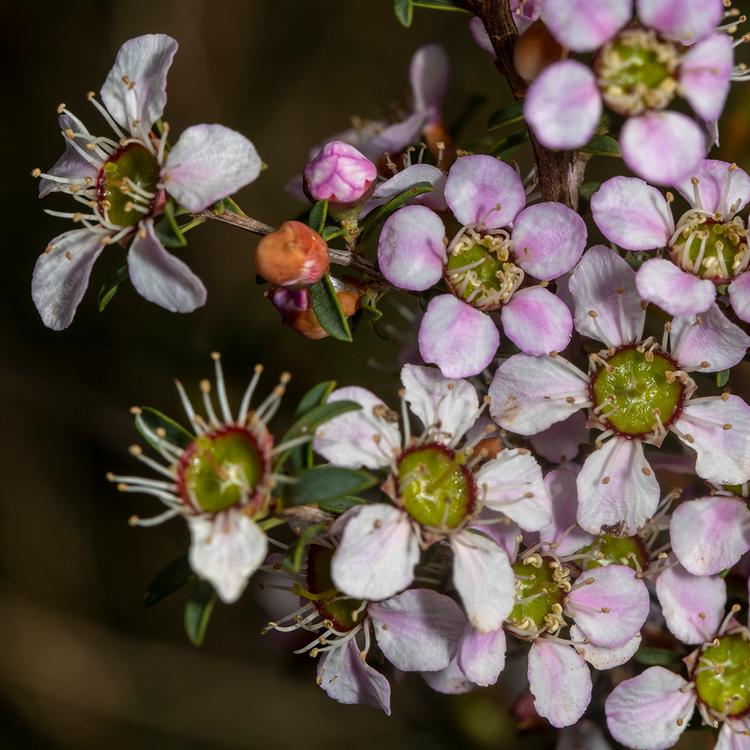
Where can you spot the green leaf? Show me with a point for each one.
(168, 230)
(155, 420)
(440, 5)
(722, 378)
(331, 233)
(198, 610)
(372, 311)
(110, 287)
(381, 213)
(316, 396)
(340, 505)
(509, 142)
(505, 116)
(292, 560)
(656, 656)
(318, 214)
(323, 483)
(404, 10)
(602, 145)
(327, 308)
(171, 578)
(589, 188)
(227, 204)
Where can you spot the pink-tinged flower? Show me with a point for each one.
(636, 390)
(652, 710)
(437, 487)
(706, 248)
(339, 174)
(484, 266)
(123, 183)
(637, 72)
(416, 631)
(217, 475)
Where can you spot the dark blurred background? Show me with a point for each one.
(82, 663)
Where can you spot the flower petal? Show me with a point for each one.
(609, 605)
(548, 240)
(560, 682)
(480, 36)
(481, 656)
(719, 432)
(392, 138)
(411, 248)
(418, 630)
(365, 437)
(512, 483)
(161, 277)
(537, 321)
(650, 711)
(450, 405)
(601, 657)
(632, 214)
(705, 75)
(733, 737)
(617, 490)
(662, 147)
(739, 296)
(135, 90)
(563, 531)
(696, 526)
(482, 190)
(563, 105)
(226, 550)
(679, 293)
(560, 442)
(483, 578)
(459, 339)
(61, 276)
(528, 394)
(71, 165)
(721, 186)
(693, 606)
(585, 25)
(377, 553)
(429, 72)
(607, 304)
(681, 20)
(405, 179)
(451, 680)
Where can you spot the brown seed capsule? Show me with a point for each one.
(535, 50)
(294, 256)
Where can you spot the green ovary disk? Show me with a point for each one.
(139, 165)
(637, 66)
(435, 488)
(723, 675)
(536, 593)
(222, 469)
(633, 387)
(614, 550)
(486, 273)
(725, 248)
(330, 604)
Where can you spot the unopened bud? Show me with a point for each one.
(293, 256)
(535, 50)
(339, 174)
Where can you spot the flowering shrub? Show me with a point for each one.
(560, 484)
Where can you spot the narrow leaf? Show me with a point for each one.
(168, 230)
(315, 397)
(722, 378)
(292, 560)
(112, 285)
(404, 10)
(340, 505)
(656, 656)
(454, 5)
(328, 310)
(509, 142)
(381, 213)
(323, 483)
(198, 611)
(317, 218)
(155, 420)
(602, 145)
(171, 578)
(589, 188)
(505, 116)
(331, 233)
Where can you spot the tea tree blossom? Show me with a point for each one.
(123, 181)
(637, 390)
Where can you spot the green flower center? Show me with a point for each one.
(741, 490)
(221, 469)
(541, 586)
(344, 613)
(723, 675)
(636, 72)
(710, 249)
(126, 186)
(435, 486)
(635, 385)
(614, 550)
(480, 272)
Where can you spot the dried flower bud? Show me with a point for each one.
(535, 50)
(293, 256)
(339, 174)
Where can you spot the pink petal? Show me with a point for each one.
(394, 138)
(481, 656)
(693, 606)
(719, 432)
(363, 437)
(739, 296)
(377, 553)
(721, 186)
(339, 173)
(405, 179)
(650, 711)
(705, 75)
(61, 276)
(681, 20)
(451, 680)
(537, 321)
(677, 292)
(733, 736)
(632, 214)
(662, 147)
(563, 105)
(548, 240)
(560, 682)
(600, 657)
(607, 303)
(560, 442)
(429, 73)
(482, 190)
(459, 339)
(500, 528)
(411, 248)
(611, 609)
(585, 25)
(480, 36)
(696, 526)
(528, 394)
(418, 630)
(563, 530)
(617, 490)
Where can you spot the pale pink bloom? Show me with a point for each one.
(339, 174)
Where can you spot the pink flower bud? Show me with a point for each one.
(339, 174)
(293, 256)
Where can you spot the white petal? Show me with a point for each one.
(563, 530)
(451, 680)
(481, 656)
(602, 658)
